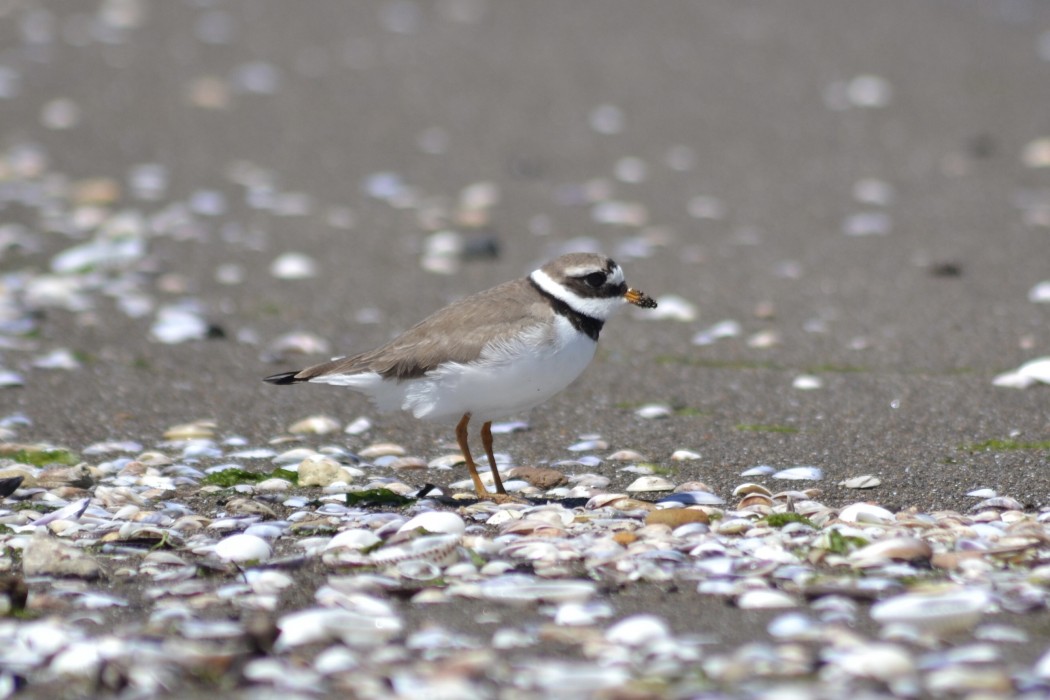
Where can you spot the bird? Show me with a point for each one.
(489, 355)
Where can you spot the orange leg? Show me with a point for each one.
(461, 438)
(486, 440)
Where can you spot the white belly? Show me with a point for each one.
(510, 378)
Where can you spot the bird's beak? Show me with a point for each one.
(639, 299)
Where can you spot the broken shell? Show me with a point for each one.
(861, 482)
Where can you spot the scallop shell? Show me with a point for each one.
(435, 548)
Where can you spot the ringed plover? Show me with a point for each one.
(491, 354)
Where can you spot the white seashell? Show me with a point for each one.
(764, 339)
(749, 488)
(295, 456)
(242, 548)
(582, 614)
(983, 493)
(354, 539)
(418, 570)
(1013, 380)
(865, 513)
(684, 455)
(177, 324)
(765, 599)
(293, 266)
(760, 470)
(1026, 375)
(881, 662)
(650, 483)
(314, 425)
(335, 660)
(1036, 369)
(1042, 666)
(507, 427)
(653, 411)
(521, 588)
(1040, 293)
(938, 614)
(589, 445)
(268, 581)
(861, 482)
(894, 549)
(807, 382)
(324, 624)
(638, 631)
(793, 626)
(382, 449)
(436, 523)
(800, 473)
(723, 329)
(999, 503)
(626, 456)
(358, 426)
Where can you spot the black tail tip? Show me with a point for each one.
(283, 378)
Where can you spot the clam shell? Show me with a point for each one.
(520, 588)
(242, 548)
(938, 613)
(650, 483)
(893, 549)
(435, 522)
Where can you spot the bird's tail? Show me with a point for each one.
(283, 378)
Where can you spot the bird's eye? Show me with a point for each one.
(595, 279)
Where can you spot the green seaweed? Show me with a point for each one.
(233, 476)
(1006, 445)
(782, 519)
(765, 428)
(43, 457)
(838, 543)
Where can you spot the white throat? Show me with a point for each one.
(600, 309)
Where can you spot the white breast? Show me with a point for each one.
(510, 377)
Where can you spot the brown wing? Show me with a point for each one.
(456, 333)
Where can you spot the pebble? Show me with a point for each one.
(44, 555)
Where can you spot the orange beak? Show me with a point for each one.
(639, 299)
